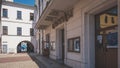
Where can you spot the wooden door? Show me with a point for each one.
(106, 39)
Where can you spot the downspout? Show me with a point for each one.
(39, 42)
(65, 37)
(42, 40)
(39, 29)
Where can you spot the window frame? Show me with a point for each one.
(5, 30)
(31, 16)
(5, 14)
(19, 15)
(31, 32)
(19, 32)
(73, 44)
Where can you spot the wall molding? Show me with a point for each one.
(18, 35)
(15, 22)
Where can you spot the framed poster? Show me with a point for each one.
(52, 45)
(23, 46)
(77, 44)
(74, 44)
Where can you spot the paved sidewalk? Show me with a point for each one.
(49, 63)
(17, 61)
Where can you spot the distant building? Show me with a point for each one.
(16, 20)
(79, 33)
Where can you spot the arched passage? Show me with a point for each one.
(25, 46)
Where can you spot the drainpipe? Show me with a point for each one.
(39, 29)
(39, 41)
(65, 42)
(42, 37)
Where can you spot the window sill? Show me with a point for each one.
(31, 20)
(74, 51)
(5, 17)
(19, 35)
(19, 19)
(4, 34)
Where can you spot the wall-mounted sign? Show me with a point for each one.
(99, 38)
(23, 46)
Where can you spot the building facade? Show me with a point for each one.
(16, 24)
(0, 24)
(80, 33)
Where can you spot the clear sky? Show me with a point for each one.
(26, 2)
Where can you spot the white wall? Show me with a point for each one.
(9, 0)
(12, 14)
(12, 40)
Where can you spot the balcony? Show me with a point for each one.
(56, 12)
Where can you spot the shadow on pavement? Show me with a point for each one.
(32, 55)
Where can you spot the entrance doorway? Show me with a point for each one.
(4, 49)
(61, 45)
(25, 46)
(106, 39)
(46, 46)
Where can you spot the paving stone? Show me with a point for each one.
(17, 61)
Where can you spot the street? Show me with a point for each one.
(22, 60)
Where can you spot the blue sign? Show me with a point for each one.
(23, 46)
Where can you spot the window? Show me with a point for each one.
(74, 44)
(5, 30)
(19, 31)
(19, 15)
(31, 16)
(106, 19)
(31, 32)
(112, 20)
(5, 12)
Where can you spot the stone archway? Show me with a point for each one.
(25, 47)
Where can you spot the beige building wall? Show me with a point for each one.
(81, 24)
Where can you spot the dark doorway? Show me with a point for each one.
(62, 41)
(4, 49)
(61, 45)
(46, 47)
(25, 46)
(106, 39)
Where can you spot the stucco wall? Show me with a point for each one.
(12, 40)
(12, 14)
(78, 25)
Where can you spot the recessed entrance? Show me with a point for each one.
(106, 39)
(61, 45)
(25, 46)
(4, 49)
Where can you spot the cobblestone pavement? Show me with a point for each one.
(17, 61)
